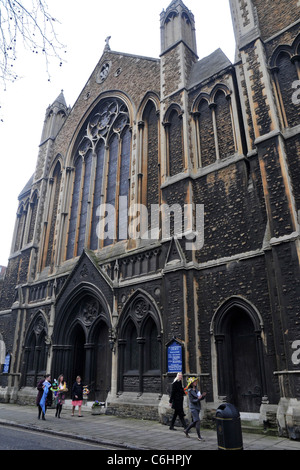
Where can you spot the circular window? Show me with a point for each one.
(103, 72)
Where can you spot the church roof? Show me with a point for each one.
(26, 188)
(208, 66)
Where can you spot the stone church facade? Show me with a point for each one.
(82, 296)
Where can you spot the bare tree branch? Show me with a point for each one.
(29, 22)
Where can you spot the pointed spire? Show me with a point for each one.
(176, 3)
(177, 24)
(56, 114)
(60, 100)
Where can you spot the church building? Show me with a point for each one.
(160, 229)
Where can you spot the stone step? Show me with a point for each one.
(256, 428)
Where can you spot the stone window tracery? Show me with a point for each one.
(102, 162)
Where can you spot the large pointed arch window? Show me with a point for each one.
(101, 176)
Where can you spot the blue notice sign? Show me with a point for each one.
(175, 357)
(6, 364)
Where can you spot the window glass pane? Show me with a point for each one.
(97, 195)
(84, 203)
(53, 212)
(124, 183)
(112, 179)
(106, 126)
(75, 202)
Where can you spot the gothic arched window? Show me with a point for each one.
(102, 161)
(286, 72)
(215, 137)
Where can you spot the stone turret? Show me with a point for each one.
(177, 25)
(56, 114)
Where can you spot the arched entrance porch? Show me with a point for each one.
(237, 329)
(81, 343)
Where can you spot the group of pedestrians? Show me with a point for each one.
(176, 401)
(59, 388)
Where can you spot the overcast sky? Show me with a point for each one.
(134, 27)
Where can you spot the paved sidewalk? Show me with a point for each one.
(130, 434)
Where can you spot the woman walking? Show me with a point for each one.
(42, 399)
(176, 400)
(195, 398)
(77, 395)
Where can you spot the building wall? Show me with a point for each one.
(223, 137)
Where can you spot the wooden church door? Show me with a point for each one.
(240, 360)
(246, 382)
